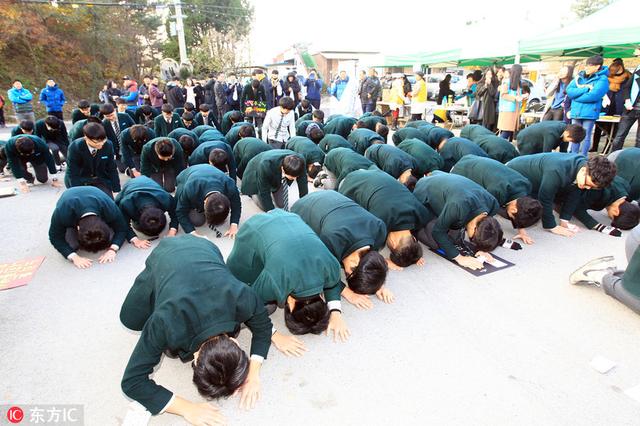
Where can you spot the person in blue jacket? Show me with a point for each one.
(586, 92)
(53, 99)
(21, 100)
(132, 93)
(338, 86)
(314, 86)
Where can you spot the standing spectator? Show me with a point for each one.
(586, 92)
(314, 87)
(131, 92)
(234, 93)
(445, 89)
(291, 87)
(338, 86)
(220, 93)
(418, 97)
(556, 94)
(199, 92)
(175, 95)
(112, 92)
(511, 98)
(2, 121)
(500, 72)
(614, 105)
(273, 89)
(143, 91)
(53, 99)
(21, 99)
(156, 97)
(487, 94)
(362, 78)
(396, 100)
(189, 91)
(279, 124)
(630, 93)
(209, 96)
(370, 91)
(254, 103)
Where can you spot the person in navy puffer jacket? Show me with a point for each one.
(586, 92)
(314, 86)
(52, 97)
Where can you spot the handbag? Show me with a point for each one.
(474, 111)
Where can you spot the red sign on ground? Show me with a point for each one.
(18, 273)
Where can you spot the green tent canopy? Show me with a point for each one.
(613, 32)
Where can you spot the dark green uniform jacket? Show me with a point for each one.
(201, 129)
(342, 161)
(419, 123)
(435, 135)
(129, 148)
(598, 199)
(474, 131)
(263, 175)
(329, 142)
(59, 137)
(77, 202)
(275, 265)
(77, 115)
(201, 155)
(305, 117)
(390, 159)
(305, 147)
(144, 192)
(140, 118)
(150, 162)
(426, 158)
(301, 127)
(385, 198)
(497, 148)
(40, 155)
(85, 169)
(194, 184)
(124, 122)
(628, 164)
(212, 135)
(226, 122)
(456, 148)
(233, 136)
(75, 132)
(184, 296)
(181, 131)
(504, 183)
(552, 174)
(342, 224)
(340, 125)
(455, 200)
(372, 120)
(162, 128)
(245, 150)
(408, 133)
(544, 136)
(361, 139)
(210, 120)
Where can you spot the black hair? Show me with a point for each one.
(370, 274)
(164, 147)
(188, 106)
(93, 119)
(25, 145)
(376, 113)
(276, 72)
(628, 217)
(152, 221)
(411, 181)
(595, 60)
(247, 131)
(293, 165)
(221, 368)
(167, 108)
(488, 234)
(84, 104)
(305, 102)
(528, 214)
(382, 130)
(219, 159)
(286, 103)
(309, 315)
(120, 101)
(235, 116)
(188, 144)
(94, 131)
(470, 75)
(255, 83)
(187, 116)
(319, 114)
(576, 132)
(53, 122)
(93, 234)
(16, 80)
(408, 252)
(216, 208)
(313, 169)
(601, 170)
(361, 124)
(146, 110)
(106, 109)
(515, 76)
(204, 107)
(316, 134)
(138, 133)
(176, 79)
(27, 125)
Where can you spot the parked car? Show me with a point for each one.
(538, 94)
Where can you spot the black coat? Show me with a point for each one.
(488, 95)
(175, 96)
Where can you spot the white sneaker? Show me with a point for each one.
(593, 271)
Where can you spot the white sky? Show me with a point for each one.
(409, 26)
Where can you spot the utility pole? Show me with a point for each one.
(180, 31)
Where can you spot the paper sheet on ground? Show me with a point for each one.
(601, 364)
(18, 273)
(497, 264)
